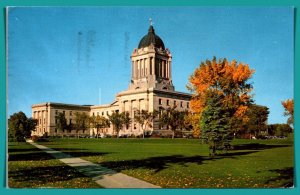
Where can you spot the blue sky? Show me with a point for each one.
(77, 54)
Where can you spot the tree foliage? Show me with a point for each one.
(119, 120)
(279, 129)
(191, 121)
(99, 122)
(228, 79)
(214, 124)
(257, 119)
(61, 122)
(220, 86)
(145, 119)
(20, 127)
(172, 118)
(81, 121)
(289, 110)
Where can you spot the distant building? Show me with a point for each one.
(150, 88)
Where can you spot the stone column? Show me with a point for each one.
(153, 65)
(163, 68)
(148, 66)
(159, 67)
(139, 69)
(170, 65)
(132, 70)
(167, 67)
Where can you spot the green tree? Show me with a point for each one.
(257, 119)
(173, 119)
(61, 122)
(215, 125)
(81, 122)
(279, 129)
(145, 119)
(119, 120)
(99, 122)
(20, 127)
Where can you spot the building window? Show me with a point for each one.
(93, 114)
(174, 102)
(97, 113)
(134, 126)
(106, 113)
(56, 121)
(102, 113)
(70, 121)
(188, 105)
(56, 112)
(181, 104)
(70, 113)
(55, 130)
(168, 103)
(159, 102)
(64, 112)
(40, 121)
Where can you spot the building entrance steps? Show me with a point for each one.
(103, 176)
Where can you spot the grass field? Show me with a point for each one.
(29, 167)
(179, 163)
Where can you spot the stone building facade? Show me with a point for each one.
(150, 89)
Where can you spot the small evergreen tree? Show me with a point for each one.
(215, 125)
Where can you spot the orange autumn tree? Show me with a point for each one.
(227, 80)
(289, 110)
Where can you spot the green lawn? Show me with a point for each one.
(29, 167)
(184, 163)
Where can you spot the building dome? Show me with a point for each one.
(151, 38)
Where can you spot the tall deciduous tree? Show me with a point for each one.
(99, 122)
(172, 118)
(61, 122)
(81, 122)
(145, 119)
(225, 80)
(119, 120)
(257, 119)
(20, 127)
(289, 110)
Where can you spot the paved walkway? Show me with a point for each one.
(105, 177)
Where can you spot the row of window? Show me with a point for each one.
(168, 103)
(64, 112)
(102, 113)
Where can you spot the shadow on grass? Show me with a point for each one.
(160, 163)
(286, 175)
(36, 154)
(44, 175)
(257, 146)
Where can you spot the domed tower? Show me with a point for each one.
(151, 64)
